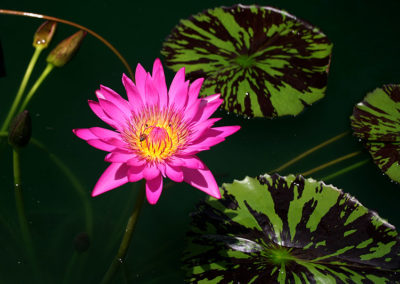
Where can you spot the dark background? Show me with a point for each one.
(365, 56)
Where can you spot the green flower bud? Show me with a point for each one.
(44, 34)
(20, 130)
(66, 49)
(81, 242)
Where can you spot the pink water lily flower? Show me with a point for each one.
(158, 133)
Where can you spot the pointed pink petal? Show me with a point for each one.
(114, 113)
(116, 157)
(140, 79)
(192, 162)
(136, 161)
(207, 107)
(134, 97)
(151, 92)
(194, 91)
(211, 137)
(178, 91)
(174, 173)
(101, 145)
(199, 129)
(154, 189)
(159, 82)
(96, 108)
(109, 95)
(105, 133)
(135, 173)
(150, 172)
(115, 175)
(203, 180)
(84, 133)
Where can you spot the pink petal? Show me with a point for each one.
(174, 173)
(114, 113)
(199, 129)
(191, 162)
(207, 107)
(140, 79)
(84, 133)
(115, 175)
(116, 157)
(194, 91)
(96, 108)
(212, 137)
(106, 93)
(154, 189)
(159, 82)
(203, 180)
(104, 133)
(134, 96)
(150, 172)
(99, 144)
(135, 173)
(178, 91)
(151, 92)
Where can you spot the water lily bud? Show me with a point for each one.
(44, 34)
(66, 49)
(20, 130)
(81, 242)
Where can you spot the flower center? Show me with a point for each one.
(156, 135)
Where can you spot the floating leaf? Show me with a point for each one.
(289, 230)
(263, 61)
(376, 121)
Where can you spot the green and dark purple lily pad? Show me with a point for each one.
(264, 61)
(376, 121)
(290, 229)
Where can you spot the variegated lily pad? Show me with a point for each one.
(376, 121)
(277, 229)
(264, 62)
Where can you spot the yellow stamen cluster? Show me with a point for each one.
(156, 135)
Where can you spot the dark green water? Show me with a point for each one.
(366, 42)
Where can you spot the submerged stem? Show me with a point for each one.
(23, 223)
(21, 89)
(37, 84)
(308, 152)
(330, 163)
(126, 239)
(79, 188)
(345, 170)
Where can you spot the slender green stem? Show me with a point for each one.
(23, 223)
(345, 170)
(103, 40)
(79, 188)
(35, 86)
(126, 239)
(22, 88)
(308, 152)
(330, 163)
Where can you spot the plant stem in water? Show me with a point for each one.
(21, 89)
(330, 163)
(126, 239)
(37, 84)
(308, 152)
(23, 223)
(345, 170)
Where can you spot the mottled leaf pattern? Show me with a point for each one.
(277, 229)
(376, 121)
(263, 61)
